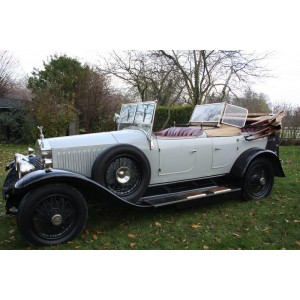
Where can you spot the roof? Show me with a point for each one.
(11, 103)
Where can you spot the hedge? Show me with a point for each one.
(178, 114)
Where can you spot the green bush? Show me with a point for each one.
(20, 126)
(178, 114)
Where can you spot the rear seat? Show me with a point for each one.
(179, 131)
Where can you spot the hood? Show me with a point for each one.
(84, 140)
(127, 136)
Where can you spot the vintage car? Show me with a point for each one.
(222, 149)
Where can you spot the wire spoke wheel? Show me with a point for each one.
(53, 217)
(124, 170)
(123, 175)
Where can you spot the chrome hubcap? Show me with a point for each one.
(123, 175)
(262, 181)
(56, 220)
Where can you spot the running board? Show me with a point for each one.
(179, 197)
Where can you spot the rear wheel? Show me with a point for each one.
(52, 215)
(258, 180)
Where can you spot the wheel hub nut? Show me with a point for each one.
(262, 181)
(123, 175)
(56, 220)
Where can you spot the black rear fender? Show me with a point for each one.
(86, 186)
(240, 166)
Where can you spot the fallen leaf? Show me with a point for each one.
(132, 245)
(217, 239)
(155, 241)
(297, 243)
(157, 224)
(95, 237)
(77, 247)
(11, 231)
(130, 235)
(297, 221)
(106, 246)
(70, 242)
(100, 232)
(266, 229)
(170, 222)
(204, 215)
(205, 247)
(251, 213)
(196, 225)
(237, 235)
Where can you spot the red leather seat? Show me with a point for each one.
(180, 131)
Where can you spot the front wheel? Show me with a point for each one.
(258, 180)
(51, 215)
(124, 170)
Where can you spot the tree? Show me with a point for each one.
(254, 102)
(60, 77)
(54, 91)
(8, 72)
(214, 72)
(149, 77)
(95, 101)
(65, 90)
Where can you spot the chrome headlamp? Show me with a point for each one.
(23, 166)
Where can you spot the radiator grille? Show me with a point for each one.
(38, 163)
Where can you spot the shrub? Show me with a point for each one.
(178, 114)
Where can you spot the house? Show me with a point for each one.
(6, 105)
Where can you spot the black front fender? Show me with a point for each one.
(38, 179)
(240, 166)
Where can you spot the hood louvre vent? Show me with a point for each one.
(78, 161)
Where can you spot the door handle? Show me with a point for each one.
(218, 149)
(193, 151)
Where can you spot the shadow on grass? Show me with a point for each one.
(112, 214)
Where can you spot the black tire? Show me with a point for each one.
(51, 215)
(124, 170)
(258, 180)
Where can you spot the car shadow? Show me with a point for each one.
(111, 214)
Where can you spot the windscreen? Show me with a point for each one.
(235, 116)
(137, 116)
(136, 113)
(207, 113)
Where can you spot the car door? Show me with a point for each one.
(225, 152)
(176, 155)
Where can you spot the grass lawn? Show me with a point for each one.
(215, 223)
